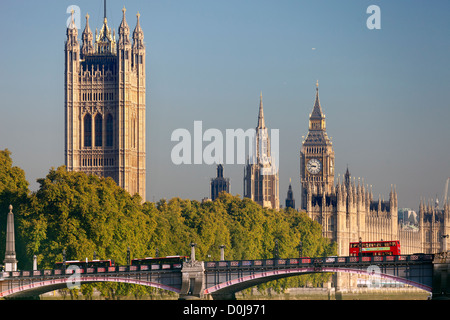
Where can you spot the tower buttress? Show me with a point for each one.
(71, 85)
(124, 118)
(138, 118)
(124, 45)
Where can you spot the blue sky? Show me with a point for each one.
(385, 92)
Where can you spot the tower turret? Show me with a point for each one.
(87, 38)
(219, 184)
(124, 32)
(72, 46)
(105, 43)
(290, 201)
(138, 35)
(72, 33)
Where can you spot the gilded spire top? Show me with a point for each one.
(138, 30)
(87, 29)
(72, 20)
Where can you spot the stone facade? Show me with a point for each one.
(105, 104)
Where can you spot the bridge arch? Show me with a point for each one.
(40, 287)
(238, 284)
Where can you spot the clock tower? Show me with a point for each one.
(316, 155)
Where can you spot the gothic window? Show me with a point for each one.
(109, 130)
(87, 131)
(98, 130)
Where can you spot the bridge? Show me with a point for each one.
(222, 279)
(195, 279)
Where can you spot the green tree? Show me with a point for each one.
(13, 191)
(83, 214)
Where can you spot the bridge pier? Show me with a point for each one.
(441, 276)
(192, 278)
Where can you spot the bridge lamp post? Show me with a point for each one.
(193, 245)
(300, 249)
(222, 252)
(128, 256)
(276, 254)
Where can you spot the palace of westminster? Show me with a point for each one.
(105, 135)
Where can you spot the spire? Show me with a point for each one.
(87, 29)
(290, 201)
(124, 31)
(72, 33)
(261, 123)
(138, 35)
(123, 24)
(104, 13)
(138, 25)
(72, 20)
(347, 178)
(104, 10)
(10, 252)
(317, 109)
(87, 38)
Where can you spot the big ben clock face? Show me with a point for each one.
(314, 166)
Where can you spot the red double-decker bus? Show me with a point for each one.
(375, 248)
